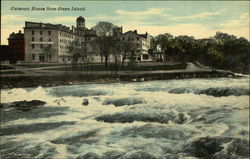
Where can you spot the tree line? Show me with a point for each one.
(220, 51)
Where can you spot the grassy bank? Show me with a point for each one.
(70, 79)
(101, 67)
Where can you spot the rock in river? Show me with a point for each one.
(85, 102)
(27, 105)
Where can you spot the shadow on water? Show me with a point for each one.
(76, 92)
(145, 116)
(80, 138)
(216, 92)
(9, 114)
(19, 129)
(158, 131)
(123, 101)
(17, 150)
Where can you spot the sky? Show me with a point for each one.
(201, 19)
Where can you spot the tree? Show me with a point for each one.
(127, 48)
(104, 28)
(215, 56)
(116, 51)
(74, 51)
(105, 44)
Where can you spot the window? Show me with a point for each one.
(33, 56)
(33, 39)
(41, 39)
(49, 46)
(49, 57)
(63, 59)
(49, 32)
(33, 32)
(33, 46)
(49, 39)
(137, 38)
(41, 46)
(41, 58)
(41, 32)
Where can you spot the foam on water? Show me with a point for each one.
(155, 119)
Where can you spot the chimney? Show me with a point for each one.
(73, 29)
(20, 31)
(135, 31)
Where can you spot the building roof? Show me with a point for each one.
(16, 36)
(135, 32)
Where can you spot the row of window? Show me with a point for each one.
(63, 47)
(65, 41)
(41, 46)
(131, 39)
(69, 59)
(66, 35)
(41, 39)
(41, 32)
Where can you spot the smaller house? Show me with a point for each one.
(141, 41)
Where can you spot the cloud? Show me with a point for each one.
(12, 18)
(199, 15)
(148, 12)
(241, 22)
(60, 20)
(195, 30)
(124, 15)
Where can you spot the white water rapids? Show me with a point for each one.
(172, 119)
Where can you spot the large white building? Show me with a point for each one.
(37, 36)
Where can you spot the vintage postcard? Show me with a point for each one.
(124, 79)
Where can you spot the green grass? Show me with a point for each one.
(125, 68)
(12, 72)
(38, 65)
(5, 67)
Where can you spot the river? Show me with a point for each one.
(172, 119)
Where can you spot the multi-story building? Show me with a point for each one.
(58, 38)
(16, 47)
(142, 43)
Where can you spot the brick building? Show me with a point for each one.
(16, 47)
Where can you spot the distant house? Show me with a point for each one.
(158, 54)
(141, 41)
(16, 47)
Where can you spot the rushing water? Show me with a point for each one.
(172, 119)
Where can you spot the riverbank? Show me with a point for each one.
(8, 82)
